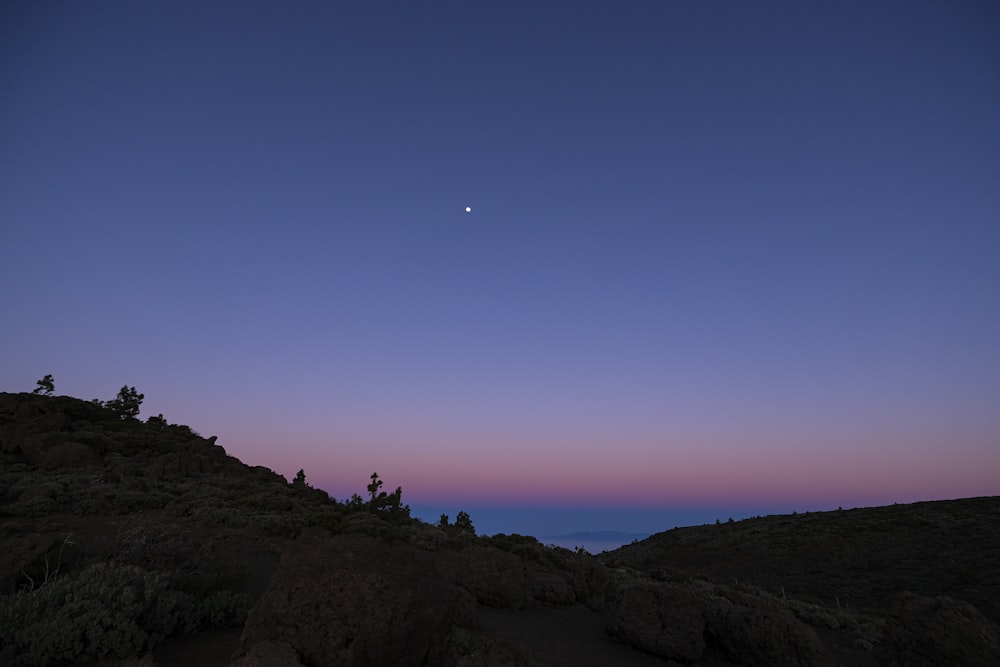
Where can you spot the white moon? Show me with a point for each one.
(468, 209)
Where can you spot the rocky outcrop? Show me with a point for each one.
(680, 621)
(354, 600)
(663, 620)
(750, 635)
(176, 466)
(64, 432)
(495, 577)
(594, 584)
(938, 631)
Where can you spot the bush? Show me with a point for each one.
(95, 615)
(107, 611)
(157, 421)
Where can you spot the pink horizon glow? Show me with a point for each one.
(672, 476)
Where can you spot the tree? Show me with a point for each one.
(126, 403)
(45, 386)
(373, 489)
(443, 521)
(464, 522)
(300, 478)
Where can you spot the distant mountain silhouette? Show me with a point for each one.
(599, 536)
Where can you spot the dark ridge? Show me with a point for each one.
(857, 557)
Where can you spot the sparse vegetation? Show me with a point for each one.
(106, 610)
(379, 501)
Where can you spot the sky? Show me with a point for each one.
(722, 258)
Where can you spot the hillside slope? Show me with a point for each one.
(859, 558)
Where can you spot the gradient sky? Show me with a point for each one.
(722, 256)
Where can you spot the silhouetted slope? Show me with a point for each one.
(861, 557)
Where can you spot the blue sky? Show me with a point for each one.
(726, 255)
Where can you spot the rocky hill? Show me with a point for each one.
(129, 543)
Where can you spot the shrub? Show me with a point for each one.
(157, 421)
(95, 615)
(107, 611)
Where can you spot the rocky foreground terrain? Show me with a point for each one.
(129, 543)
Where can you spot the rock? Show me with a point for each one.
(661, 619)
(51, 451)
(553, 589)
(680, 621)
(69, 454)
(495, 577)
(177, 466)
(938, 631)
(353, 600)
(33, 447)
(762, 635)
(594, 584)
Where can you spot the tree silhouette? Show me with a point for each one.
(126, 403)
(464, 522)
(45, 386)
(373, 489)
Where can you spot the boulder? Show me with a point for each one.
(938, 631)
(664, 620)
(69, 454)
(51, 451)
(495, 577)
(761, 635)
(353, 600)
(594, 584)
(680, 621)
(176, 466)
(552, 588)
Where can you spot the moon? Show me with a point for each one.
(468, 209)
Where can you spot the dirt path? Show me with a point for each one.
(556, 636)
(208, 649)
